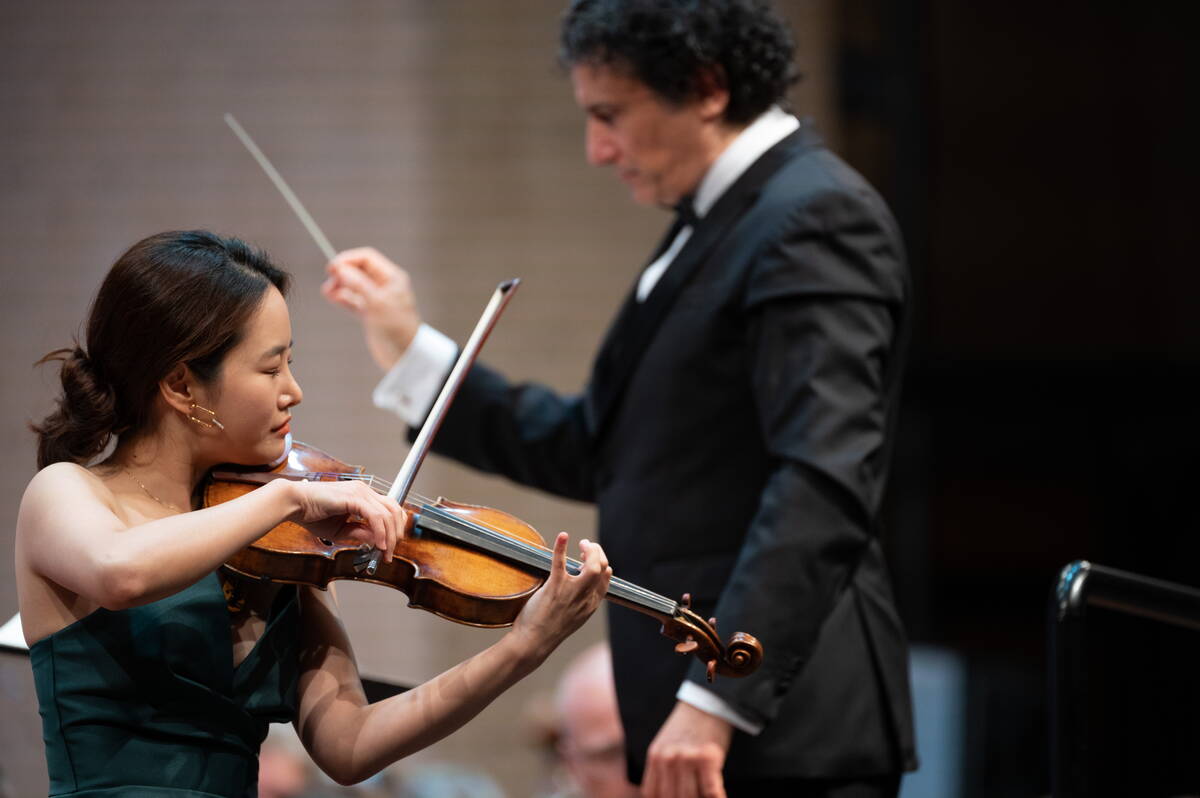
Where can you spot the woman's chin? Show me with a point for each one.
(263, 453)
(270, 451)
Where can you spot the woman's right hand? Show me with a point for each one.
(376, 519)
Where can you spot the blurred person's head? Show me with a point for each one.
(591, 740)
(284, 769)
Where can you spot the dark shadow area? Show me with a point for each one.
(1142, 707)
(1041, 160)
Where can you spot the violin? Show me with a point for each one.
(469, 564)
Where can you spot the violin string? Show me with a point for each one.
(633, 592)
(480, 534)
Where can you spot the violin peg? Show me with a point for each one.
(687, 647)
(686, 601)
(711, 670)
(713, 622)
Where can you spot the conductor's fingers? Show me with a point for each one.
(354, 278)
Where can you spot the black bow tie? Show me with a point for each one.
(685, 211)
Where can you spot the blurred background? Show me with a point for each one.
(1040, 160)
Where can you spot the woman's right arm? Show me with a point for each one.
(69, 534)
(350, 739)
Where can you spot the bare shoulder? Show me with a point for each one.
(78, 482)
(63, 488)
(63, 507)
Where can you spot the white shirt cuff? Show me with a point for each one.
(710, 702)
(410, 388)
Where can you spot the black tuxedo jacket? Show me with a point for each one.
(735, 437)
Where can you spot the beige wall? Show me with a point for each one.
(441, 133)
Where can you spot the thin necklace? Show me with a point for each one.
(151, 495)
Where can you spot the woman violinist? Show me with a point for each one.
(156, 673)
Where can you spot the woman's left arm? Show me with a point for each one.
(350, 739)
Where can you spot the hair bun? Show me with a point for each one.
(78, 358)
(86, 416)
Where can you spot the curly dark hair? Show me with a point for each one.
(676, 46)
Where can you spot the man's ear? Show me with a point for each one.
(712, 93)
(177, 388)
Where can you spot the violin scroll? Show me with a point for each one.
(741, 656)
(744, 653)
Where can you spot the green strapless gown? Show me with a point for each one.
(146, 701)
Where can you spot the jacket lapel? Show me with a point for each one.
(637, 322)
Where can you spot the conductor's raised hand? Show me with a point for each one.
(377, 520)
(565, 601)
(365, 282)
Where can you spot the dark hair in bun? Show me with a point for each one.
(176, 297)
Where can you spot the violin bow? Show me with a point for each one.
(433, 422)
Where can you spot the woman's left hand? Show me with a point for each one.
(564, 602)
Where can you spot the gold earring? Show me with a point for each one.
(211, 423)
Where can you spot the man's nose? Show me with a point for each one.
(601, 149)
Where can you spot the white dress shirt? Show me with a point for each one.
(413, 383)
